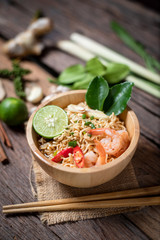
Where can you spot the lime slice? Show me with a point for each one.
(50, 121)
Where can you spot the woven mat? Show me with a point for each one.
(48, 188)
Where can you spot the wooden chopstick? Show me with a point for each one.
(139, 192)
(132, 202)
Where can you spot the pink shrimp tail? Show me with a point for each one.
(102, 154)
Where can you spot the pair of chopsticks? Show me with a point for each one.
(128, 198)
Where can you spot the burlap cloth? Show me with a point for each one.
(47, 188)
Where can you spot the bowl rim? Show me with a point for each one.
(62, 168)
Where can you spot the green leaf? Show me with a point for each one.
(72, 74)
(137, 47)
(84, 83)
(118, 98)
(116, 72)
(97, 92)
(95, 67)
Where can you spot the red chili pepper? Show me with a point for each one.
(78, 157)
(63, 153)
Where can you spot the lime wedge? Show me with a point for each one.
(50, 121)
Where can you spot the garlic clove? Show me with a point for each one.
(2, 91)
(34, 94)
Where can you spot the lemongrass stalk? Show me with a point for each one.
(102, 51)
(75, 50)
(83, 54)
(78, 51)
(145, 85)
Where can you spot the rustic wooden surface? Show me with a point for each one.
(92, 18)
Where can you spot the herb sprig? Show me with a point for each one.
(16, 75)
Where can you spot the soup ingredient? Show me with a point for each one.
(64, 153)
(116, 72)
(110, 55)
(102, 153)
(16, 75)
(96, 93)
(34, 94)
(90, 159)
(75, 108)
(114, 142)
(50, 121)
(72, 74)
(13, 111)
(97, 114)
(95, 67)
(145, 85)
(77, 132)
(78, 157)
(112, 99)
(118, 97)
(72, 143)
(26, 43)
(85, 54)
(2, 91)
(79, 77)
(18, 84)
(87, 111)
(136, 46)
(84, 116)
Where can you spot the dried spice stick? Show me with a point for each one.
(3, 156)
(4, 136)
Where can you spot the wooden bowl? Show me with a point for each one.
(84, 177)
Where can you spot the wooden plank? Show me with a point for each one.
(147, 170)
(91, 8)
(146, 163)
(113, 227)
(147, 220)
(149, 123)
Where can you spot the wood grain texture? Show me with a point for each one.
(92, 18)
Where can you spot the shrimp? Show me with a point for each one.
(90, 159)
(102, 154)
(114, 142)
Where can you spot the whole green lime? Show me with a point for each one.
(13, 111)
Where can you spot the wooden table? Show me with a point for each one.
(91, 18)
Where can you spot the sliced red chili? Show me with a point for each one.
(64, 153)
(78, 157)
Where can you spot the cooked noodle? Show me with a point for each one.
(77, 130)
